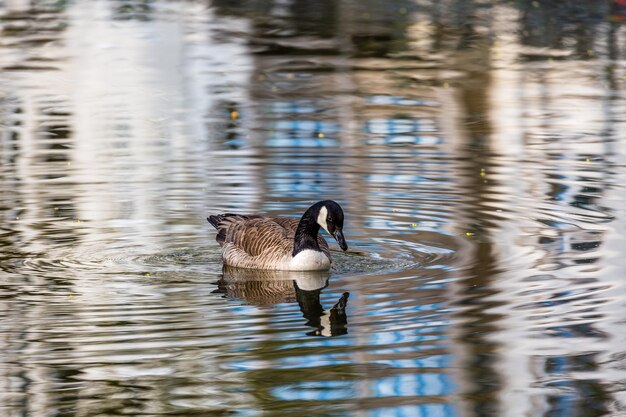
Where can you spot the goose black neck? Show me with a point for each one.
(306, 233)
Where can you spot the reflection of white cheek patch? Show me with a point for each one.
(325, 324)
(321, 218)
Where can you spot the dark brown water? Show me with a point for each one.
(478, 150)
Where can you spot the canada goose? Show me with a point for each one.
(280, 243)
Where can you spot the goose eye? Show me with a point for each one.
(329, 219)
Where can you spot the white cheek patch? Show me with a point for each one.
(321, 218)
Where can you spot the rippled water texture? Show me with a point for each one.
(478, 149)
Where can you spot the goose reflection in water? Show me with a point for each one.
(264, 287)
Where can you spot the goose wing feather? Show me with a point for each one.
(258, 235)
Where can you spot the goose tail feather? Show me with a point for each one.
(215, 220)
(222, 222)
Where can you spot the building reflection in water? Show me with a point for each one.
(447, 130)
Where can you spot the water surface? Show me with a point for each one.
(478, 150)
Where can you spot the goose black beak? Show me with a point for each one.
(338, 235)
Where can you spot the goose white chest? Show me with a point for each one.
(309, 260)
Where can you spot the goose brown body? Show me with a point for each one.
(260, 242)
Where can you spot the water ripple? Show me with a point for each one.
(483, 199)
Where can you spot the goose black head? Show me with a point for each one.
(330, 218)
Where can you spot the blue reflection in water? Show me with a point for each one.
(402, 132)
(434, 361)
(410, 131)
(296, 107)
(316, 390)
(396, 126)
(300, 181)
(303, 133)
(401, 340)
(398, 140)
(404, 385)
(399, 101)
(407, 385)
(418, 410)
